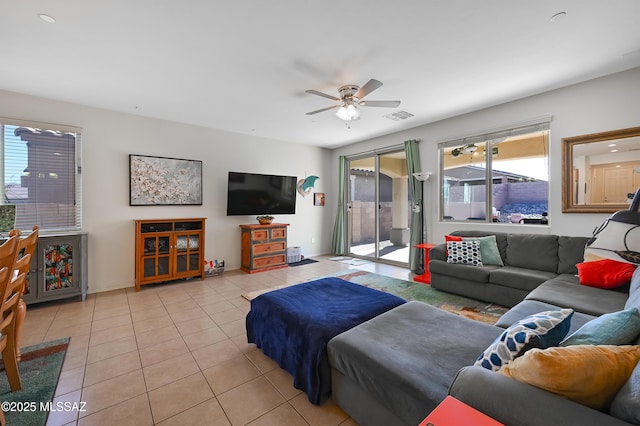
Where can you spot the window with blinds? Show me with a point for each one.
(41, 174)
(500, 176)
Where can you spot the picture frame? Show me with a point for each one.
(164, 181)
(318, 199)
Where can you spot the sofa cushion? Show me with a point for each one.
(605, 273)
(488, 250)
(465, 272)
(570, 253)
(407, 357)
(626, 404)
(588, 374)
(588, 300)
(521, 278)
(464, 252)
(540, 330)
(530, 307)
(533, 251)
(615, 328)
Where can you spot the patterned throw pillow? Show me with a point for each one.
(465, 252)
(541, 330)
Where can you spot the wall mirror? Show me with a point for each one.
(600, 171)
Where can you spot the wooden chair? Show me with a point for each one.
(27, 246)
(9, 295)
(7, 329)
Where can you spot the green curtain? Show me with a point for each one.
(417, 219)
(338, 245)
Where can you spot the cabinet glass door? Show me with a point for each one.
(58, 267)
(156, 258)
(187, 253)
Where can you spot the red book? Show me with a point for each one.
(452, 412)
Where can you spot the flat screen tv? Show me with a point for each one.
(258, 194)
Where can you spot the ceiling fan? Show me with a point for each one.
(351, 99)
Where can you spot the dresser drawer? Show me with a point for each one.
(260, 235)
(269, 247)
(266, 261)
(279, 233)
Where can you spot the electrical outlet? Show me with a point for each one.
(313, 240)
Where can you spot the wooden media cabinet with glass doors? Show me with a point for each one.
(169, 249)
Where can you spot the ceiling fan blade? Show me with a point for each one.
(321, 110)
(324, 95)
(385, 104)
(369, 87)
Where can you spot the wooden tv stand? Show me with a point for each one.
(169, 249)
(264, 247)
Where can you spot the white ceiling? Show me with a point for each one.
(244, 65)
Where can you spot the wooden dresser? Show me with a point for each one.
(264, 247)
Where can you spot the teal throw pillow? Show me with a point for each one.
(465, 252)
(488, 249)
(541, 330)
(616, 328)
(626, 404)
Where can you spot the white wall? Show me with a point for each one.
(109, 138)
(607, 103)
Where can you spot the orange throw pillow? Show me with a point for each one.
(605, 273)
(587, 374)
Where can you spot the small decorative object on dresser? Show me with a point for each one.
(265, 219)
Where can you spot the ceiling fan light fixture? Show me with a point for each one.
(348, 112)
(342, 113)
(353, 112)
(350, 100)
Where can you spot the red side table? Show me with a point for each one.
(452, 412)
(426, 277)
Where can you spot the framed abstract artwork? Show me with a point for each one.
(161, 181)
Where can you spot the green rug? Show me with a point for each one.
(412, 290)
(39, 370)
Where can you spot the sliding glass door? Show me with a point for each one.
(378, 207)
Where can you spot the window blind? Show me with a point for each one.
(41, 170)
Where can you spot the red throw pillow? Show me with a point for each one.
(450, 238)
(605, 273)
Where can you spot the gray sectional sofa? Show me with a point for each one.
(529, 260)
(396, 368)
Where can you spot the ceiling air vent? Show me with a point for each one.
(400, 115)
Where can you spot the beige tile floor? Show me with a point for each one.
(177, 354)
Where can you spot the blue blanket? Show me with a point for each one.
(293, 325)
